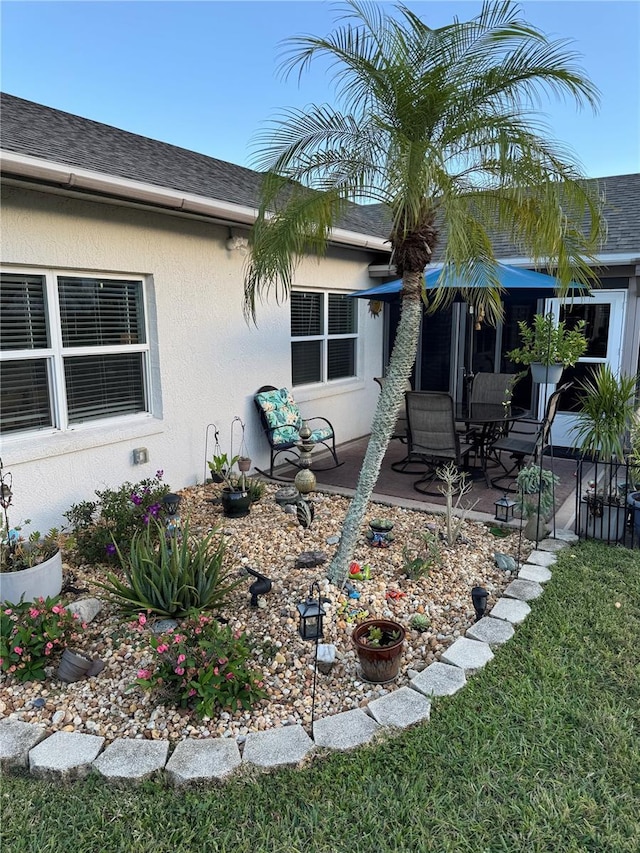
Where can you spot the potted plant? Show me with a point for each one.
(379, 644)
(30, 567)
(535, 499)
(604, 422)
(548, 348)
(235, 497)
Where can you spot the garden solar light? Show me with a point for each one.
(171, 502)
(479, 597)
(504, 508)
(311, 615)
(261, 585)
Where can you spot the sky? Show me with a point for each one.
(204, 75)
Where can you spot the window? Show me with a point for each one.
(73, 349)
(324, 335)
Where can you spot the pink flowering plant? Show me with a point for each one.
(33, 635)
(202, 665)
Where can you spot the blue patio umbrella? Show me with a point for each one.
(509, 277)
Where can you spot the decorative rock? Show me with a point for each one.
(495, 632)
(469, 655)
(539, 574)
(439, 679)
(326, 657)
(66, 755)
(542, 558)
(16, 739)
(524, 590)
(333, 540)
(203, 760)
(505, 562)
(277, 747)
(345, 731)
(310, 559)
(511, 610)
(39, 702)
(127, 759)
(164, 625)
(286, 496)
(86, 609)
(400, 708)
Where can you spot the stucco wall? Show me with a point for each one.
(209, 362)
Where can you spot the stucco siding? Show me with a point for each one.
(206, 361)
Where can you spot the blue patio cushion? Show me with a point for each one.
(283, 418)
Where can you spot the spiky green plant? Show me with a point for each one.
(420, 622)
(606, 413)
(170, 576)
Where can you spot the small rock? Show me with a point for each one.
(86, 609)
(332, 540)
(58, 717)
(310, 559)
(505, 562)
(39, 702)
(164, 625)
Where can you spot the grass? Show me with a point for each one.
(540, 752)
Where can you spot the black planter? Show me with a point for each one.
(235, 504)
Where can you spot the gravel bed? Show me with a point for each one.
(270, 541)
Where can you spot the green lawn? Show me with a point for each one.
(540, 752)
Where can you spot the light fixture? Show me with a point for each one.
(171, 503)
(311, 615)
(261, 585)
(479, 597)
(504, 508)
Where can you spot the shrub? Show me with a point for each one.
(203, 665)
(170, 576)
(33, 634)
(116, 515)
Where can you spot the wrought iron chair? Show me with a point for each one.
(281, 420)
(525, 439)
(432, 435)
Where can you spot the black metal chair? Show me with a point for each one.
(281, 421)
(525, 439)
(433, 440)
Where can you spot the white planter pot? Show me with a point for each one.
(545, 374)
(43, 580)
(608, 526)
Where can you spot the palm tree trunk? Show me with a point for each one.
(390, 402)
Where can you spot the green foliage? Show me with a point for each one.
(606, 414)
(203, 665)
(18, 553)
(116, 515)
(420, 622)
(548, 343)
(419, 559)
(255, 487)
(535, 490)
(171, 576)
(221, 470)
(379, 637)
(33, 635)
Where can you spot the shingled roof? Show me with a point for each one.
(38, 131)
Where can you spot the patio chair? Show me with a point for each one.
(281, 421)
(433, 440)
(400, 429)
(527, 439)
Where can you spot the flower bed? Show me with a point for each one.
(269, 540)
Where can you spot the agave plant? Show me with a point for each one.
(171, 576)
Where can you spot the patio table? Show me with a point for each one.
(484, 423)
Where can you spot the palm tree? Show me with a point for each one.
(439, 126)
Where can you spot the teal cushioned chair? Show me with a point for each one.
(281, 421)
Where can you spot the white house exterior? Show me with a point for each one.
(203, 362)
(152, 237)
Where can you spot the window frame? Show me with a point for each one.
(55, 354)
(324, 337)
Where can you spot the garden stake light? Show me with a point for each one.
(504, 508)
(479, 597)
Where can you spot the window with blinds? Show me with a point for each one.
(90, 364)
(324, 337)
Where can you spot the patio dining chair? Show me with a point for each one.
(433, 440)
(527, 439)
(281, 421)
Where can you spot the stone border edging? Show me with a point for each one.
(65, 756)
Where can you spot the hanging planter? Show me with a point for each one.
(546, 374)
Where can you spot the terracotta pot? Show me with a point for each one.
(379, 664)
(244, 464)
(44, 580)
